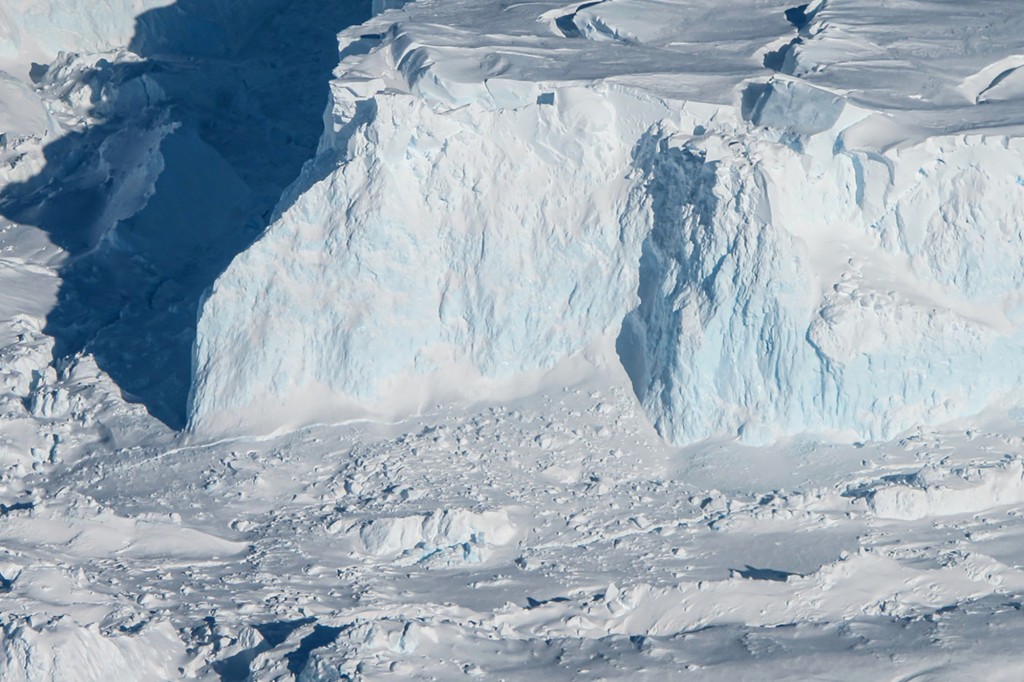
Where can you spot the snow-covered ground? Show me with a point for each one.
(615, 340)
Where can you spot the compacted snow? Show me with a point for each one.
(626, 339)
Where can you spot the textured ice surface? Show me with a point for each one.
(807, 257)
(446, 537)
(793, 106)
(781, 292)
(941, 491)
(417, 258)
(65, 650)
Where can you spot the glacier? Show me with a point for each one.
(770, 250)
(544, 271)
(413, 259)
(40, 29)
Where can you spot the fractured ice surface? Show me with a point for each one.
(416, 257)
(771, 305)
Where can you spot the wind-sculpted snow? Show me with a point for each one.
(807, 257)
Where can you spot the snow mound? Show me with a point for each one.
(36, 652)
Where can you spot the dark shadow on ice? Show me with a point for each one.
(751, 95)
(567, 22)
(751, 573)
(801, 20)
(236, 668)
(532, 603)
(680, 183)
(276, 632)
(799, 16)
(186, 152)
(321, 636)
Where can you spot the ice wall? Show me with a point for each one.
(786, 290)
(793, 260)
(446, 254)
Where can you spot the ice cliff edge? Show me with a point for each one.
(769, 253)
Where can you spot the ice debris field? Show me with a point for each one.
(627, 339)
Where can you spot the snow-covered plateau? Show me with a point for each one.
(618, 339)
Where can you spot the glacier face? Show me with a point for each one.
(872, 294)
(467, 247)
(803, 253)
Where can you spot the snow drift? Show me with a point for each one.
(802, 255)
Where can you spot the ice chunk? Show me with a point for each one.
(797, 107)
(938, 492)
(63, 649)
(452, 535)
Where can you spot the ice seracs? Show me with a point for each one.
(785, 291)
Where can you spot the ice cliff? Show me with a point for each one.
(774, 243)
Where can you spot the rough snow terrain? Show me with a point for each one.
(616, 340)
